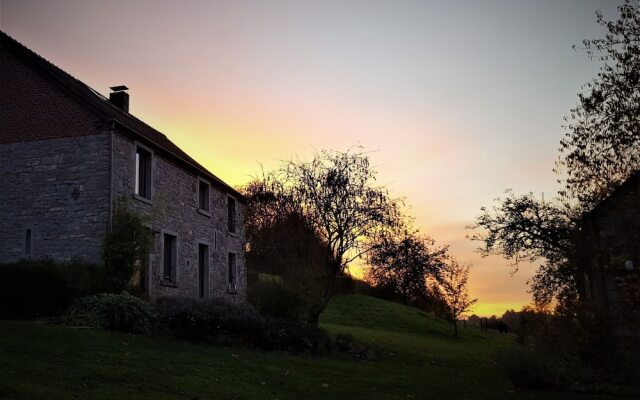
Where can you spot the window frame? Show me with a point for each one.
(232, 271)
(232, 219)
(136, 173)
(204, 211)
(207, 269)
(27, 247)
(172, 280)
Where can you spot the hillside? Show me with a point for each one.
(420, 359)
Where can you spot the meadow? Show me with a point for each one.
(418, 359)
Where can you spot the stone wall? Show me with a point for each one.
(58, 188)
(609, 262)
(174, 208)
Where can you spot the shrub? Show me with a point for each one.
(536, 369)
(568, 352)
(43, 288)
(343, 342)
(273, 298)
(119, 312)
(217, 321)
(295, 337)
(206, 320)
(125, 247)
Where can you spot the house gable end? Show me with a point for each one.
(34, 107)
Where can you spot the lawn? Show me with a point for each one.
(420, 359)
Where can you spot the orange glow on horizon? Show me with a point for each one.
(497, 309)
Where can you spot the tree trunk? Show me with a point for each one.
(314, 312)
(455, 328)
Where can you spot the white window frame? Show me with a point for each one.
(136, 194)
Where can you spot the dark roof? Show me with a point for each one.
(609, 201)
(103, 108)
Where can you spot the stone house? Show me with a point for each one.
(609, 262)
(68, 154)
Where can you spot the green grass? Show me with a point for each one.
(420, 360)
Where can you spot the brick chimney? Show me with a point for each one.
(119, 97)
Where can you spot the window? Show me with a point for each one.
(232, 273)
(28, 241)
(169, 258)
(203, 195)
(231, 218)
(143, 173)
(203, 269)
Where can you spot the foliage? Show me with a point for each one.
(600, 150)
(118, 312)
(217, 321)
(601, 147)
(565, 352)
(451, 284)
(336, 195)
(275, 299)
(535, 369)
(43, 288)
(527, 228)
(281, 243)
(403, 262)
(126, 247)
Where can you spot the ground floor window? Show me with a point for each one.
(170, 259)
(28, 242)
(203, 269)
(232, 273)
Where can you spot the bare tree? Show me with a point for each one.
(528, 228)
(452, 286)
(601, 147)
(338, 195)
(403, 262)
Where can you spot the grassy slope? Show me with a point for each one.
(420, 360)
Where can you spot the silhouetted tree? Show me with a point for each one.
(281, 243)
(527, 228)
(336, 194)
(403, 262)
(453, 289)
(601, 148)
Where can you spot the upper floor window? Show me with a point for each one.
(231, 215)
(203, 195)
(143, 173)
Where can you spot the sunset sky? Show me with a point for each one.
(457, 100)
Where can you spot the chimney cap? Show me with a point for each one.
(119, 88)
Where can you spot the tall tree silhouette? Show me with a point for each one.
(337, 195)
(452, 284)
(403, 262)
(601, 147)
